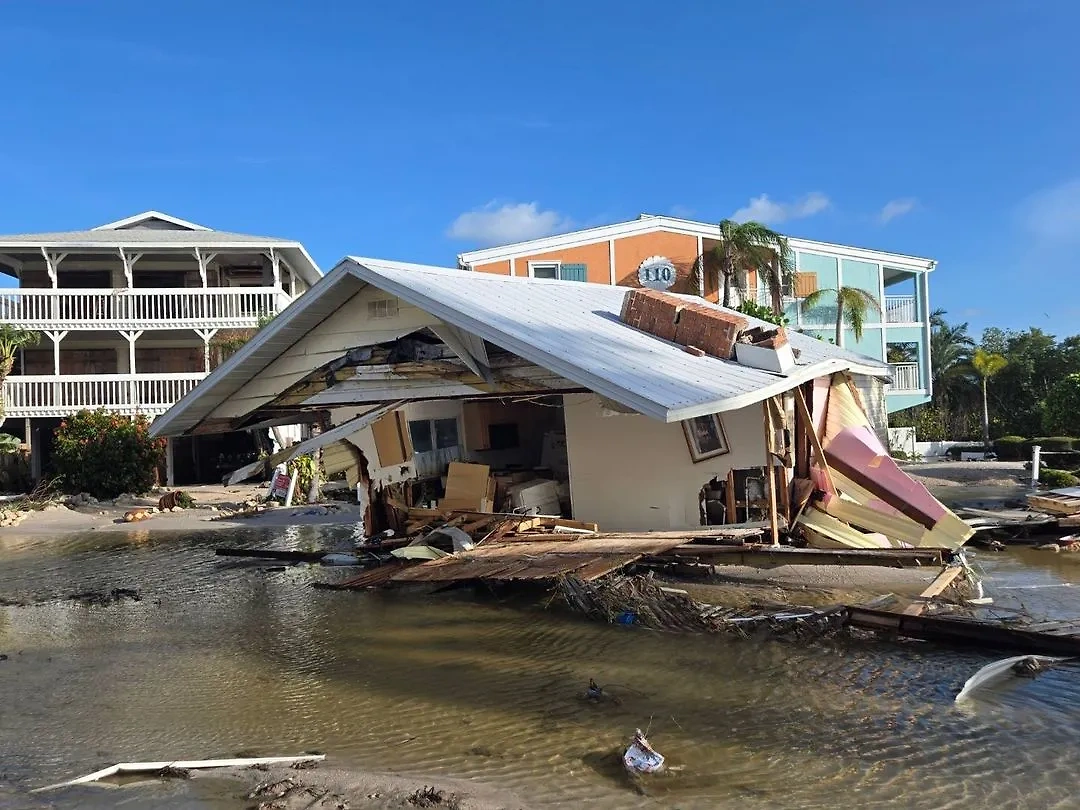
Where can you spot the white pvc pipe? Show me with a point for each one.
(1035, 451)
(145, 767)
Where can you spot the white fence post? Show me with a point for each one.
(1036, 451)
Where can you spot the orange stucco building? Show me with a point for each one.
(628, 258)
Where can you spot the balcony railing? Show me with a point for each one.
(905, 377)
(42, 396)
(125, 308)
(901, 309)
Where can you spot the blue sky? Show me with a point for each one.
(414, 131)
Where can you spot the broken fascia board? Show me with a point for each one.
(342, 431)
(593, 382)
(466, 346)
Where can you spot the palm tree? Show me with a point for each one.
(748, 246)
(950, 360)
(12, 338)
(986, 365)
(852, 304)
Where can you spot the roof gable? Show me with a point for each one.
(151, 220)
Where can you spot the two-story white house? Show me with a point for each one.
(128, 313)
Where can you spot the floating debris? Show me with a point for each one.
(642, 758)
(1025, 666)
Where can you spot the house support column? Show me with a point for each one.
(128, 260)
(770, 474)
(275, 266)
(207, 335)
(133, 386)
(35, 452)
(52, 267)
(204, 260)
(170, 466)
(57, 386)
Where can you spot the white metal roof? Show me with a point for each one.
(649, 223)
(571, 328)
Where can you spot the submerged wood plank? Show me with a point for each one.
(966, 633)
(769, 555)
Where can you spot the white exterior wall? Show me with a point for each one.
(632, 473)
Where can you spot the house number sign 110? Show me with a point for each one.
(657, 273)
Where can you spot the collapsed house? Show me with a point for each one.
(636, 410)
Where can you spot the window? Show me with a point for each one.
(559, 270)
(544, 269)
(433, 434)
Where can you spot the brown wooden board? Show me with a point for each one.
(544, 559)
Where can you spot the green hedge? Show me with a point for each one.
(1052, 443)
(1010, 448)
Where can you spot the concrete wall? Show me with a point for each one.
(630, 472)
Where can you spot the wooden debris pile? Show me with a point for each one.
(641, 600)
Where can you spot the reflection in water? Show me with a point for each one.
(221, 657)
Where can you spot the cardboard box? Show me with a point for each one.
(469, 487)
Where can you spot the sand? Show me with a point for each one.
(59, 519)
(968, 473)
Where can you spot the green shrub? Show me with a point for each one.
(1010, 448)
(105, 454)
(1056, 479)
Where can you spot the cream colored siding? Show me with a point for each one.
(631, 473)
(348, 328)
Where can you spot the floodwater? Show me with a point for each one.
(220, 658)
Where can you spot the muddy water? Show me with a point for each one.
(220, 658)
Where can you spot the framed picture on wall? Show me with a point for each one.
(705, 437)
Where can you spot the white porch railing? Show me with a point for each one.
(44, 396)
(901, 309)
(124, 308)
(905, 377)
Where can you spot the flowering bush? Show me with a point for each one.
(106, 454)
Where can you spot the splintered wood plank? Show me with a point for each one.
(942, 581)
(605, 565)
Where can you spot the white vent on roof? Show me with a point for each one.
(383, 308)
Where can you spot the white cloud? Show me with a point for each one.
(771, 212)
(896, 208)
(496, 224)
(1053, 215)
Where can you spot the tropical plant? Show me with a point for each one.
(852, 305)
(9, 444)
(105, 454)
(763, 313)
(743, 247)
(12, 338)
(986, 365)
